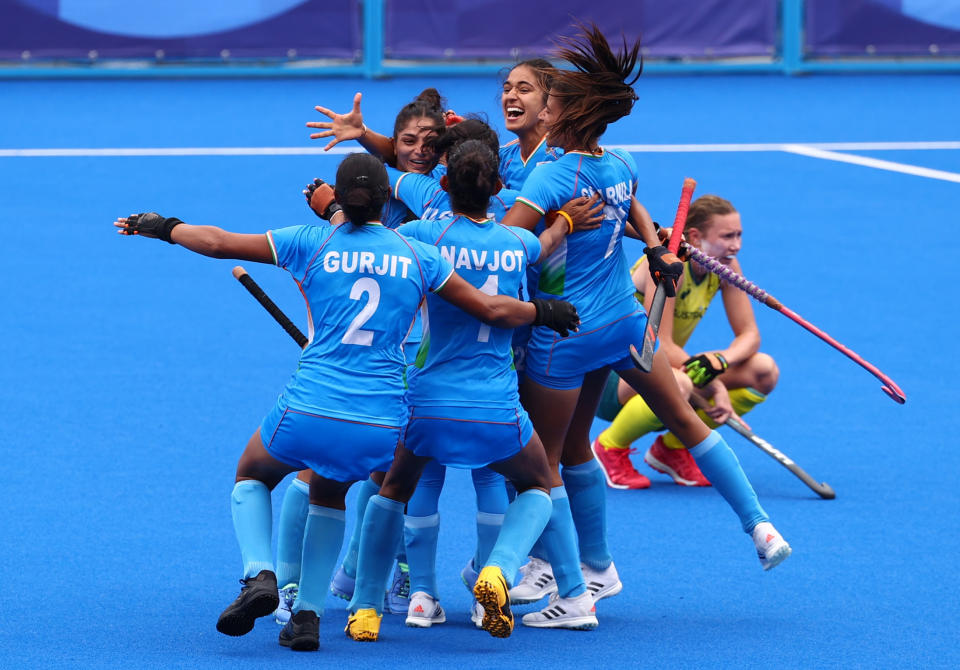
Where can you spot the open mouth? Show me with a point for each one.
(514, 113)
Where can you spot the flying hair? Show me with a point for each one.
(599, 90)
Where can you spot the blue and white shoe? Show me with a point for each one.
(772, 549)
(287, 595)
(397, 600)
(343, 584)
(469, 576)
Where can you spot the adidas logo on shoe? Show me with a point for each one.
(418, 609)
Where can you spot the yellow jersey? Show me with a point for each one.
(692, 301)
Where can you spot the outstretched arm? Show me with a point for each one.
(206, 240)
(503, 311)
(350, 126)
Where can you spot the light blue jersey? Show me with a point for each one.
(362, 285)
(424, 196)
(463, 362)
(589, 268)
(514, 170)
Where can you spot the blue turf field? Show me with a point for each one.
(134, 372)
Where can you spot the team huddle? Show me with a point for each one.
(470, 305)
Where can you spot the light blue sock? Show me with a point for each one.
(367, 488)
(488, 529)
(293, 519)
(524, 521)
(587, 489)
(253, 524)
(421, 533)
(560, 540)
(322, 540)
(382, 524)
(492, 504)
(539, 551)
(719, 464)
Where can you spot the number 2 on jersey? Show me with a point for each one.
(355, 334)
(489, 287)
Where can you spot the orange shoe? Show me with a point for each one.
(617, 467)
(678, 463)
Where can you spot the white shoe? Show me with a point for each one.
(424, 611)
(601, 583)
(537, 582)
(772, 549)
(287, 595)
(577, 613)
(476, 614)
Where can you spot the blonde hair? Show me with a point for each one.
(704, 208)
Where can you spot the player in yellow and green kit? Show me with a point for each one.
(735, 379)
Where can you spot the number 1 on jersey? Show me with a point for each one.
(489, 287)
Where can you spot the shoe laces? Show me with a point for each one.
(621, 460)
(401, 582)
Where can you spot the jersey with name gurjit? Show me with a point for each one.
(362, 285)
(463, 362)
(588, 268)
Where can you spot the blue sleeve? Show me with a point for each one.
(293, 247)
(436, 269)
(532, 244)
(631, 164)
(413, 230)
(415, 191)
(542, 189)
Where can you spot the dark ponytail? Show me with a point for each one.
(472, 176)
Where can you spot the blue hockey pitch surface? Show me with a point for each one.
(134, 372)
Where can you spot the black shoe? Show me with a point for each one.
(302, 632)
(257, 598)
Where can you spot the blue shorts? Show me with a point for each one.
(337, 449)
(561, 362)
(467, 437)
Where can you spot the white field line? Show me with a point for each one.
(318, 150)
(821, 150)
(865, 161)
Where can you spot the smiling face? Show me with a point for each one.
(721, 238)
(412, 143)
(522, 100)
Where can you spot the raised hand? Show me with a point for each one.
(341, 127)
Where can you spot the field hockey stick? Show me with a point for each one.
(729, 276)
(822, 489)
(241, 276)
(644, 360)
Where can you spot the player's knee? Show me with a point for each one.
(766, 373)
(684, 382)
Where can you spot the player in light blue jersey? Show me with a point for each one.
(523, 96)
(410, 149)
(341, 413)
(564, 379)
(464, 408)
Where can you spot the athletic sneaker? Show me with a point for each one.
(578, 613)
(363, 625)
(678, 463)
(617, 467)
(602, 583)
(424, 611)
(287, 595)
(302, 632)
(476, 613)
(537, 582)
(343, 584)
(492, 592)
(258, 597)
(398, 597)
(772, 549)
(469, 575)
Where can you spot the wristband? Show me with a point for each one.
(569, 220)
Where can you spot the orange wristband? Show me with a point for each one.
(569, 220)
